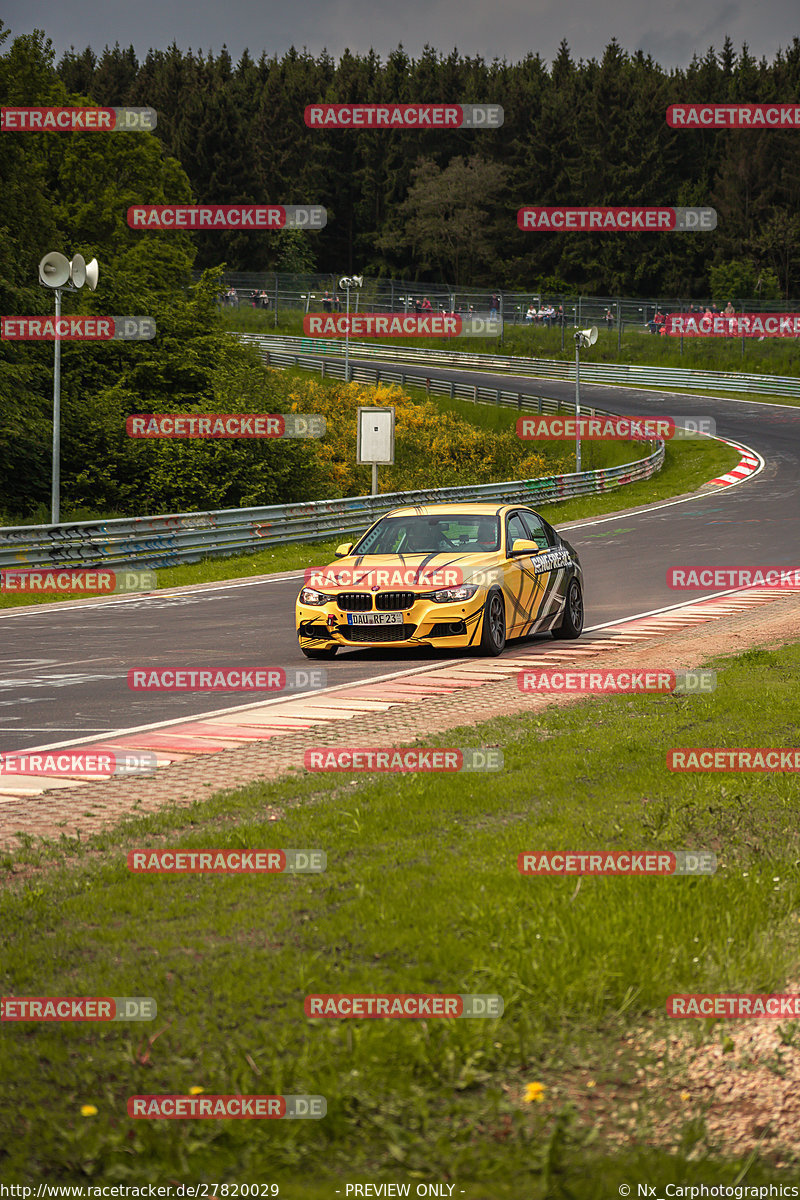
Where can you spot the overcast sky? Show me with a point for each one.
(670, 31)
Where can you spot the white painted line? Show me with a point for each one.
(372, 682)
(700, 498)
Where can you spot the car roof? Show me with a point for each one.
(491, 509)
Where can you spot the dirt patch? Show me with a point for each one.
(736, 1093)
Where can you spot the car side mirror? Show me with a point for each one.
(343, 550)
(521, 546)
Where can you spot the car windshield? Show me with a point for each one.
(462, 533)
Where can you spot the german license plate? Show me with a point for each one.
(373, 618)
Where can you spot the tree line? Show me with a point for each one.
(427, 205)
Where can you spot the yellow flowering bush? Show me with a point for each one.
(433, 448)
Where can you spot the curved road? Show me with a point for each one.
(63, 669)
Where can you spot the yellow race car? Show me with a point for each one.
(449, 575)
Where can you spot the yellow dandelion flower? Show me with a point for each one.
(88, 1110)
(534, 1093)
(686, 1096)
(196, 1091)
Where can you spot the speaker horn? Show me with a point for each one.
(588, 336)
(77, 271)
(92, 271)
(54, 269)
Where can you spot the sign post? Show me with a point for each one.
(375, 439)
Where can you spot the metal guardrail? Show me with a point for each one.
(168, 541)
(536, 368)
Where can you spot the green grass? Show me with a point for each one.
(687, 466)
(421, 894)
(773, 356)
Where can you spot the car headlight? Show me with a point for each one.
(454, 594)
(312, 596)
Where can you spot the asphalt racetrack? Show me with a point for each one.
(63, 670)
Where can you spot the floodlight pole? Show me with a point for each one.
(577, 402)
(347, 338)
(55, 486)
(73, 275)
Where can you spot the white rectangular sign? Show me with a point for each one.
(375, 435)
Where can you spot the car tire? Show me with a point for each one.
(327, 652)
(572, 623)
(493, 634)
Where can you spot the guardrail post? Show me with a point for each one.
(539, 398)
(428, 386)
(519, 401)
(322, 369)
(475, 395)
(266, 357)
(497, 400)
(452, 387)
(377, 375)
(402, 379)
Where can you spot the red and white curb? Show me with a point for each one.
(749, 464)
(233, 728)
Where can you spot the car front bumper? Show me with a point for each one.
(425, 623)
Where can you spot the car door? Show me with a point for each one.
(550, 569)
(523, 585)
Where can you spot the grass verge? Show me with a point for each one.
(421, 894)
